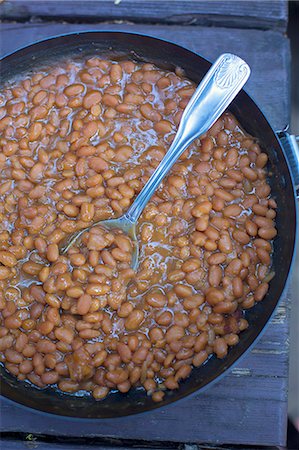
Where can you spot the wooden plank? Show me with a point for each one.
(267, 53)
(37, 444)
(254, 393)
(200, 419)
(242, 14)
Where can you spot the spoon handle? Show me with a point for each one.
(215, 92)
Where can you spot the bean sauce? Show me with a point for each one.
(78, 142)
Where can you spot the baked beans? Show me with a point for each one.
(78, 143)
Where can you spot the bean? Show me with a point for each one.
(234, 267)
(40, 97)
(116, 73)
(134, 320)
(202, 208)
(194, 301)
(124, 352)
(163, 127)
(7, 258)
(156, 299)
(117, 376)
(26, 367)
(225, 244)
(4, 273)
(149, 113)
(251, 227)
(77, 259)
(262, 243)
(91, 99)
(263, 256)
(123, 153)
(46, 327)
(214, 296)
(68, 386)
(263, 190)
(140, 355)
(98, 164)
(220, 223)
(50, 377)
(249, 173)
(34, 131)
(218, 205)
(87, 212)
(100, 392)
(52, 252)
(217, 258)
(110, 100)
(84, 304)
(190, 265)
(182, 290)
(31, 268)
(261, 160)
(237, 287)
(12, 322)
(261, 291)
(231, 157)
(174, 333)
(89, 334)
(97, 289)
(120, 255)
(45, 346)
(225, 307)
(75, 292)
(100, 358)
(232, 210)
(13, 356)
(267, 233)
(259, 209)
(146, 233)
(183, 372)
(201, 223)
(263, 222)
(224, 195)
(215, 275)
(74, 89)
(64, 334)
(220, 347)
(199, 358)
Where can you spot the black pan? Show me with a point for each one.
(164, 55)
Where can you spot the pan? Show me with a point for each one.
(283, 185)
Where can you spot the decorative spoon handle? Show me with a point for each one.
(216, 91)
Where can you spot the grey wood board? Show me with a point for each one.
(203, 418)
(37, 444)
(249, 405)
(246, 13)
(267, 53)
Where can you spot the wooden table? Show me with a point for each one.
(249, 405)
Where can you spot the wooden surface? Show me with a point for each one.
(246, 13)
(249, 405)
(98, 445)
(37, 444)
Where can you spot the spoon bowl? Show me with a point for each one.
(213, 95)
(121, 223)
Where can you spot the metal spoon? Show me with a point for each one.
(215, 92)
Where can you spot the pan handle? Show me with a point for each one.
(290, 143)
